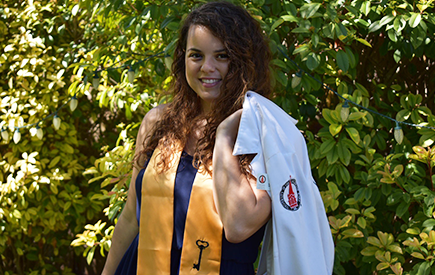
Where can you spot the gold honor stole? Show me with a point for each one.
(202, 243)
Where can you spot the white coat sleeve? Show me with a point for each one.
(248, 137)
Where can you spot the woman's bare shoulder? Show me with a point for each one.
(150, 119)
(154, 115)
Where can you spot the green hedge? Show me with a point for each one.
(60, 196)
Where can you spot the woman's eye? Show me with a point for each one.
(195, 55)
(223, 56)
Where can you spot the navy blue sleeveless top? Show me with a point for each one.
(237, 259)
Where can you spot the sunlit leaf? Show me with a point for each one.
(414, 20)
(354, 134)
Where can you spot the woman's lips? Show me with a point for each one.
(209, 82)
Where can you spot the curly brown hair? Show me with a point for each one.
(249, 57)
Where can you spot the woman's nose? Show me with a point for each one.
(208, 65)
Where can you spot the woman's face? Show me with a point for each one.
(206, 64)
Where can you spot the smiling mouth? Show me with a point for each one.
(210, 81)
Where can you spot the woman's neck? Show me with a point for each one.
(196, 133)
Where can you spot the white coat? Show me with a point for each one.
(298, 238)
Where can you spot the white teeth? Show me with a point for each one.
(209, 81)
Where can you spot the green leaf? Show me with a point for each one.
(365, 7)
(362, 89)
(354, 134)
(341, 31)
(129, 22)
(315, 39)
(327, 115)
(313, 61)
(327, 146)
(53, 188)
(75, 9)
(374, 241)
(334, 129)
(356, 115)
(417, 255)
(173, 26)
(352, 233)
(16, 214)
(382, 266)
(73, 87)
(332, 155)
(362, 222)
(342, 60)
(395, 248)
(396, 87)
(32, 256)
(323, 166)
(369, 251)
(344, 154)
(424, 269)
(90, 255)
(417, 37)
(362, 22)
(385, 238)
(351, 56)
(66, 206)
(402, 209)
(398, 170)
(68, 149)
(276, 24)
(128, 113)
(290, 18)
(414, 20)
(279, 63)
(282, 78)
(424, 111)
(166, 22)
(397, 55)
(300, 30)
(54, 161)
(20, 251)
(392, 35)
(296, 81)
(352, 10)
(353, 211)
(351, 201)
(308, 10)
(413, 231)
(362, 41)
(429, 223)
(334, 189)
(344, 174)
(106, 182)
(386, 19)
(103, 99)
(301, 49)
(359, 194)
(399, 24)
(159, 67)
(375, 26)
(91, 170)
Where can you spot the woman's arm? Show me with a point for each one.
(127, 228)
(242, 208)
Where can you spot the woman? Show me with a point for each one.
(195, 204)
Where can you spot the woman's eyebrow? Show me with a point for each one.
(196, 50)
(193, 50)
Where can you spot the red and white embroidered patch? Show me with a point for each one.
(289, 196)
